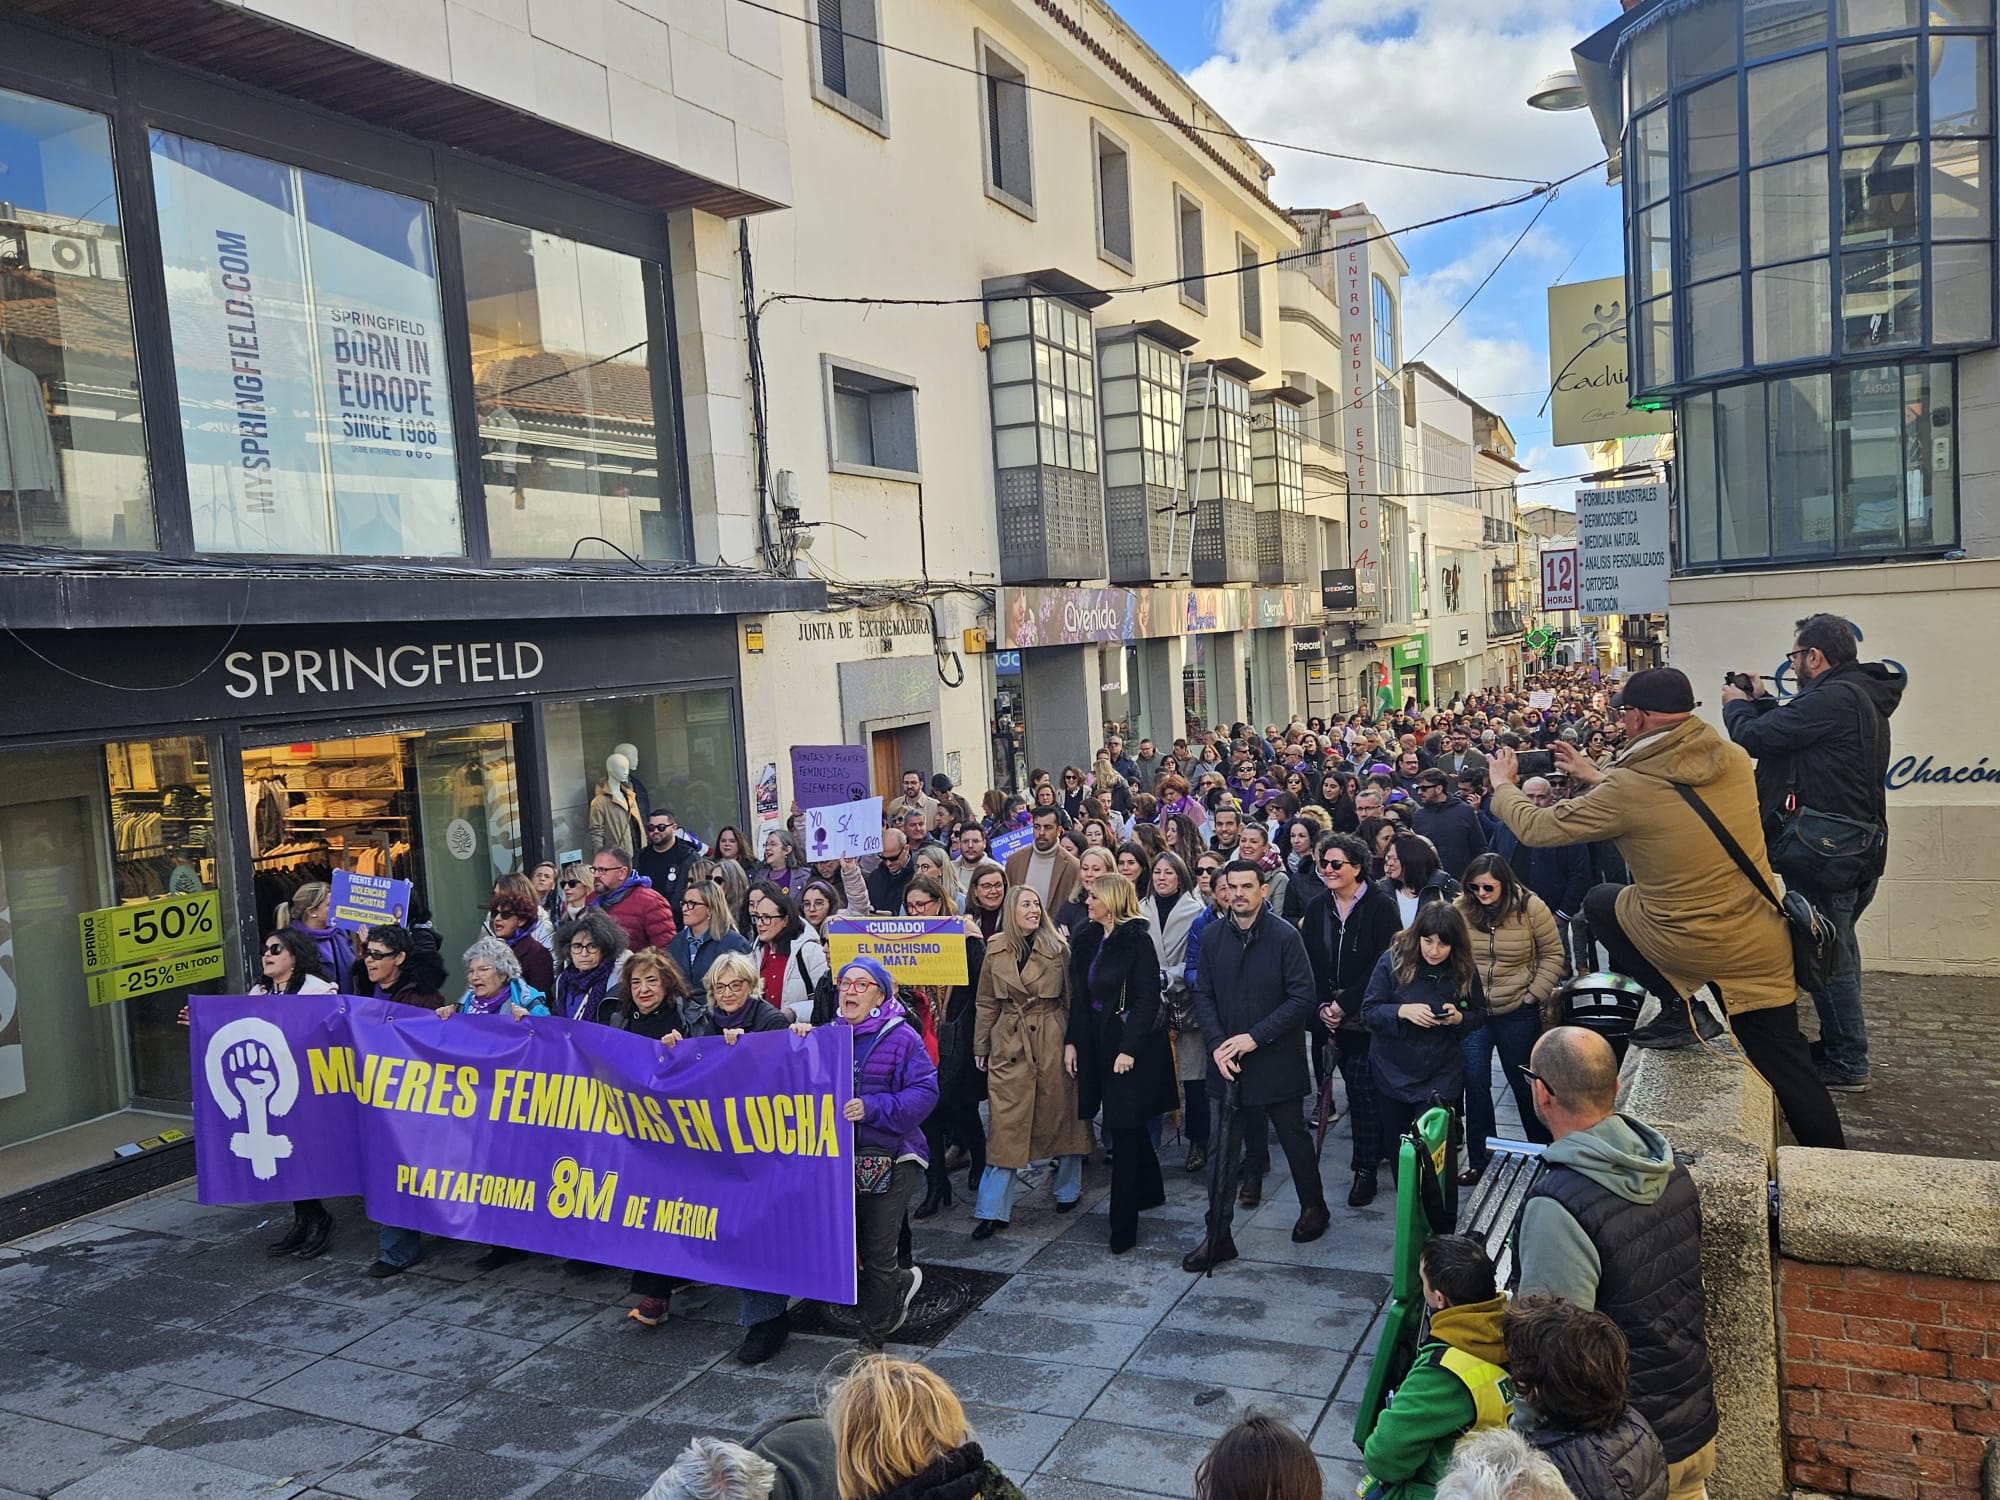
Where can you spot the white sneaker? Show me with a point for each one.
(916, 1285)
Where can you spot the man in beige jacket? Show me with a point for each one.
(1690, 917)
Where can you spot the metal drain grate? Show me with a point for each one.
(948, 1294)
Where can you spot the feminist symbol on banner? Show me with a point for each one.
(253, 1078)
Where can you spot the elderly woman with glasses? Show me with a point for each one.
(494, 986)
(728, 1007)
(895, 1089)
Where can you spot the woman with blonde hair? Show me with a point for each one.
(309, 914)
(1022, 1014)
(899, 1430)
(1117, 1053)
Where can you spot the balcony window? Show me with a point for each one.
(1142, 413)
(309, 358)
(1900, 187)
(72, 455)
(1857, 463)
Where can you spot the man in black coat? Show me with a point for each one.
(1827, 750)
(1348, 925)
(1449, 823)
(1253, 994)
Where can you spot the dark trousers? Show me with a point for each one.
(956, 1123)
(1249, 1128)
(1396, 1119)
(1513, 1037)
(1363, 1107)
(878, 1225)
(1136, 1183)
(1771, 1038)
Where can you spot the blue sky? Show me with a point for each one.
(1441, 82)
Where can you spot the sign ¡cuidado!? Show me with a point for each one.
(915, 950)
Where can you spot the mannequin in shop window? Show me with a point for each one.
(31, 508)
(644, 800)
(614, 809)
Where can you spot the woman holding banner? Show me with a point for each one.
(291, 966)
(731, 1007)
(1116, 1051)
(895, 1088)
(1022, 1016)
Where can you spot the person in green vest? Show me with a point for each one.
(1458, 1382)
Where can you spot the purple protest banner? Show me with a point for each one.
(727, 1164)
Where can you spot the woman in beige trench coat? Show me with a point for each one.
(1019, 1028)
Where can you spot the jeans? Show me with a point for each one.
(1249, 1125)
(752, 1308)
(1002, 1185)
(400, 1247)
(878, 1225)
(1843, 1031)
(1770, 1038)
(1513, 1037)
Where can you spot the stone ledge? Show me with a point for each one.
(1721, 1120)
(1933, 1215)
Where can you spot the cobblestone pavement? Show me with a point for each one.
(1934, 1061)
(153, 1350)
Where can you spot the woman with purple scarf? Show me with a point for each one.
(494, 986)
(591, 947)
(307, 914)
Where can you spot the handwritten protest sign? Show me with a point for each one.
(364, 901)
(730, 1165)
(1542, 699)
(845, 830)
(915, 950)
(825, 774)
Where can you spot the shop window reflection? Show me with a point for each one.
(72, 454)
(569, 360)
(679, 751)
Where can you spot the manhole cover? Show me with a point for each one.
(947, 1295)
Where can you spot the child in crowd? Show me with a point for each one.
(1569, 1367)
(1458, 1382)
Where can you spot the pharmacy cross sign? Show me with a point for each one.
(1541, 640)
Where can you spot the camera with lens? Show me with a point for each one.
(1740, 681)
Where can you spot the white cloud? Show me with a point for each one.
(1440, 82)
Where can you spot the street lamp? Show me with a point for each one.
(1558, 92)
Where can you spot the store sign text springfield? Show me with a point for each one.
(316, 672)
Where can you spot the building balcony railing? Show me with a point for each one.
(1504, 622)
(1498, 529)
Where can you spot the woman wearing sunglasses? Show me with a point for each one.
(290, 965)
(1519, 952)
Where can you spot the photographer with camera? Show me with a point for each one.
(1690, 916)
(1821, 762)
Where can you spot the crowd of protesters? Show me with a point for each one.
(1204, 933)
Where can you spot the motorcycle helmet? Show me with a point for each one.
(1605, 1003)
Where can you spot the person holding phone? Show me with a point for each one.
(1423, 996)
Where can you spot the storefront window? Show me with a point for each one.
(569, 366)
(439, 808)
(1860, 462)
(165, 842)
(309, 358)
(679, 752)
(72, 453)
(61, 1059)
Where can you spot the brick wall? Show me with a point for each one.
(1889, 1381)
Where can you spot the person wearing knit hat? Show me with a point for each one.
(895, 1089)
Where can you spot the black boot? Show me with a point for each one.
(294, 1237)
(317, 1235)
(939, 1197)
(764, 1339)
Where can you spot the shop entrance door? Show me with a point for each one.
(437, 807)
(898, 748)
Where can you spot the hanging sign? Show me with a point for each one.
(121, 935)
(173, 972)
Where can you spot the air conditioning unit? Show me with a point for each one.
(75, 255)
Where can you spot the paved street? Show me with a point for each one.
(154, 1351)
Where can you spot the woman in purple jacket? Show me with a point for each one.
(895, 1088)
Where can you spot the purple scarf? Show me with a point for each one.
(579, 991)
